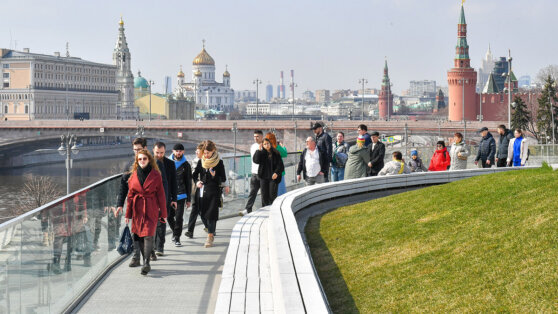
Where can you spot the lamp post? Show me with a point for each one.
(67, 147)
(234, 129)
(257, 82)
(150, 82)
(293, 85)
(463, 82)
(363, 81)
(388, 100)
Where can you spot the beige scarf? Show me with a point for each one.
(211, 162)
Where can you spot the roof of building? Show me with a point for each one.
(140, 82)
(13, 54)
(203, 58)
(462, 17)
(180, 73)
(491, 87)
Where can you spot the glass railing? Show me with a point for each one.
(50, 255)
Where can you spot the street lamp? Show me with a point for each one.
(67, 147)
(234, 129)
(257, 82)
(140, 131)
(293, 85)
(150, 82)
(363, 81)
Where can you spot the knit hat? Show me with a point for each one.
(361, 139)
(178, 147)
(414, 152)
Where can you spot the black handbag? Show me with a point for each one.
(126, 245)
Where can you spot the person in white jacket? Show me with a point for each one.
(396, 166)
(459, 152)
(518, 150)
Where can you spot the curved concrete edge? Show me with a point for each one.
(295, 285)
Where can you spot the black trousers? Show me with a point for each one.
(195, 212)
(176, 219)
(160, 233)
(145, 246)
(254, 188)
(502, 162)
(211, 226)
(484, 165)
(269, 191)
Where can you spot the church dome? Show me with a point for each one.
(226, 74)
(180, 73)
(198, 73)
(203, 58)
(140, 82)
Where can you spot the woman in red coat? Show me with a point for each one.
(146, 203)
(441, 158)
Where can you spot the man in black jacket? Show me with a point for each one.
(184, 189)
(503, 143)
(325, 144)
(170, 173)
(487, 149)
(313, 163)
(377, 152)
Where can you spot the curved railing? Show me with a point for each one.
(268, 266)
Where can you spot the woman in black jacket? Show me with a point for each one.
(270, 170)
(209, 180)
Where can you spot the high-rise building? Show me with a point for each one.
(168, 85)
(385, 101)
(323, 96)
(268, 92)
(124, 78)
(462, 78)
(308, 96)
(487, 66)
(422, 88)
(500, 69)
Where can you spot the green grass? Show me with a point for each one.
(484, 244)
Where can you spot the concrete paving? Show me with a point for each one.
(185, 280)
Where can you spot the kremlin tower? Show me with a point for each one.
(385, 100)
(462, 78)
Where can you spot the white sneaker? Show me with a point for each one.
(177, 243)
(243, 213)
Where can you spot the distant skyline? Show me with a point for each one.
(329, 44)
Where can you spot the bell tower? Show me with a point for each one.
(124, 77)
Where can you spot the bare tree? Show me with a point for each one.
(37, 191)
(543, 74)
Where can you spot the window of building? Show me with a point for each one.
(6, 85)
(26, 109)
(6, 109)
(6, 75)
(6, 66)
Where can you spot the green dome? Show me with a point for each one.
(140, 82)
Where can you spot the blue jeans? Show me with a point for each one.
(282, 188)
(337, 174)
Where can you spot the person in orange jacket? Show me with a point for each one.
(441, 160)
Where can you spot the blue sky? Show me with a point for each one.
(329, 44)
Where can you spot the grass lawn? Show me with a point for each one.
(484, 244)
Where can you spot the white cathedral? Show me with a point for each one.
(203, 88)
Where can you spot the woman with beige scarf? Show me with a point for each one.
(209, 179)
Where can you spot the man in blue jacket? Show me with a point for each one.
(183, 191)
(487, 149)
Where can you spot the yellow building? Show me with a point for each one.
(159, 105)
(171, 109)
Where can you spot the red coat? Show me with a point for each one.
(440, 160)
(68, 219)
(146, 204)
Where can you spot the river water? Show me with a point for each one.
(83, 173)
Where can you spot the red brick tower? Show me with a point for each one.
(385, 100)
(462, 78)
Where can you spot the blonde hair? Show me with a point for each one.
(152, 161)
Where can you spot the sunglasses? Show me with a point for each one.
(143, 158)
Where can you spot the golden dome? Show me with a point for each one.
(198, 73)
(121, 21)
(226, 74)
(203, 58)
(180, 73)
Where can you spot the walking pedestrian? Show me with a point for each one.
(459, 153)
(518, 150)
(146, 203)
(339, 159)
(362, 129)
(183, 192)
(377, 154)
(254, 180)
(269, 171)
(197, 166)
(396, 166)
(210, 181)
(416, 163)
(506, 136)
(357, 161)
(170, 185)
(441, 159)
(487, 149)
(313, 164)
(324, 143)
(282, 189)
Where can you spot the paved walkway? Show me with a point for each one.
(185, 280)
